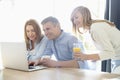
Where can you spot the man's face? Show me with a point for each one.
(50, 30)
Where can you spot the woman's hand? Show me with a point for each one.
(82, 56)
(35, 62)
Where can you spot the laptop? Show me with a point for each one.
(14, 56)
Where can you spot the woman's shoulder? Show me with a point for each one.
(100, 25)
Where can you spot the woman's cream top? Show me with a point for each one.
(107, 40)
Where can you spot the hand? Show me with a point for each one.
(49, 63)
(80, 55)
(35, 62)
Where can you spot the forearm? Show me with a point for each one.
(92, 57)
(67, 64)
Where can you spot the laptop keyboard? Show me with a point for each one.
(34, 67)
(31, 67)
(37, 67)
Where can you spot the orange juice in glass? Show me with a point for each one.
(76, 47)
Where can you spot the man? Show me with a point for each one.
(60, 44)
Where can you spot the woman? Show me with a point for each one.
(35, 41)
(104, 34)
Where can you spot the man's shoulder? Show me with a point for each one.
(69, 34)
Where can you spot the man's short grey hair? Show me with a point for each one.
(50, 19)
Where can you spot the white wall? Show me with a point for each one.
(14, 13)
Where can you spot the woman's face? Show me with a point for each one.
(31, 34)
(78, 19)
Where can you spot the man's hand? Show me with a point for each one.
(49, 63)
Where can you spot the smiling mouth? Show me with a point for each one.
(31, 37)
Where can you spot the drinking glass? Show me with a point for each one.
(76, 49)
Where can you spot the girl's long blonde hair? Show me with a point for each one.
(87, 20)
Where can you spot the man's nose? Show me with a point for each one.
(45, 32)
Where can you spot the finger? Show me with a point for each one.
(35, 64)
(45, 64)
(76, 55)
(30, 63)
(44, 60)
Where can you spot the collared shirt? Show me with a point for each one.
(62, 48)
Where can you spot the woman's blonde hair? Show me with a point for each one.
(110, 23)
(87, 20)
(37, 31)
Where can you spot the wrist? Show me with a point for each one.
(57, 65)
(86, 57)
(39, 61)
